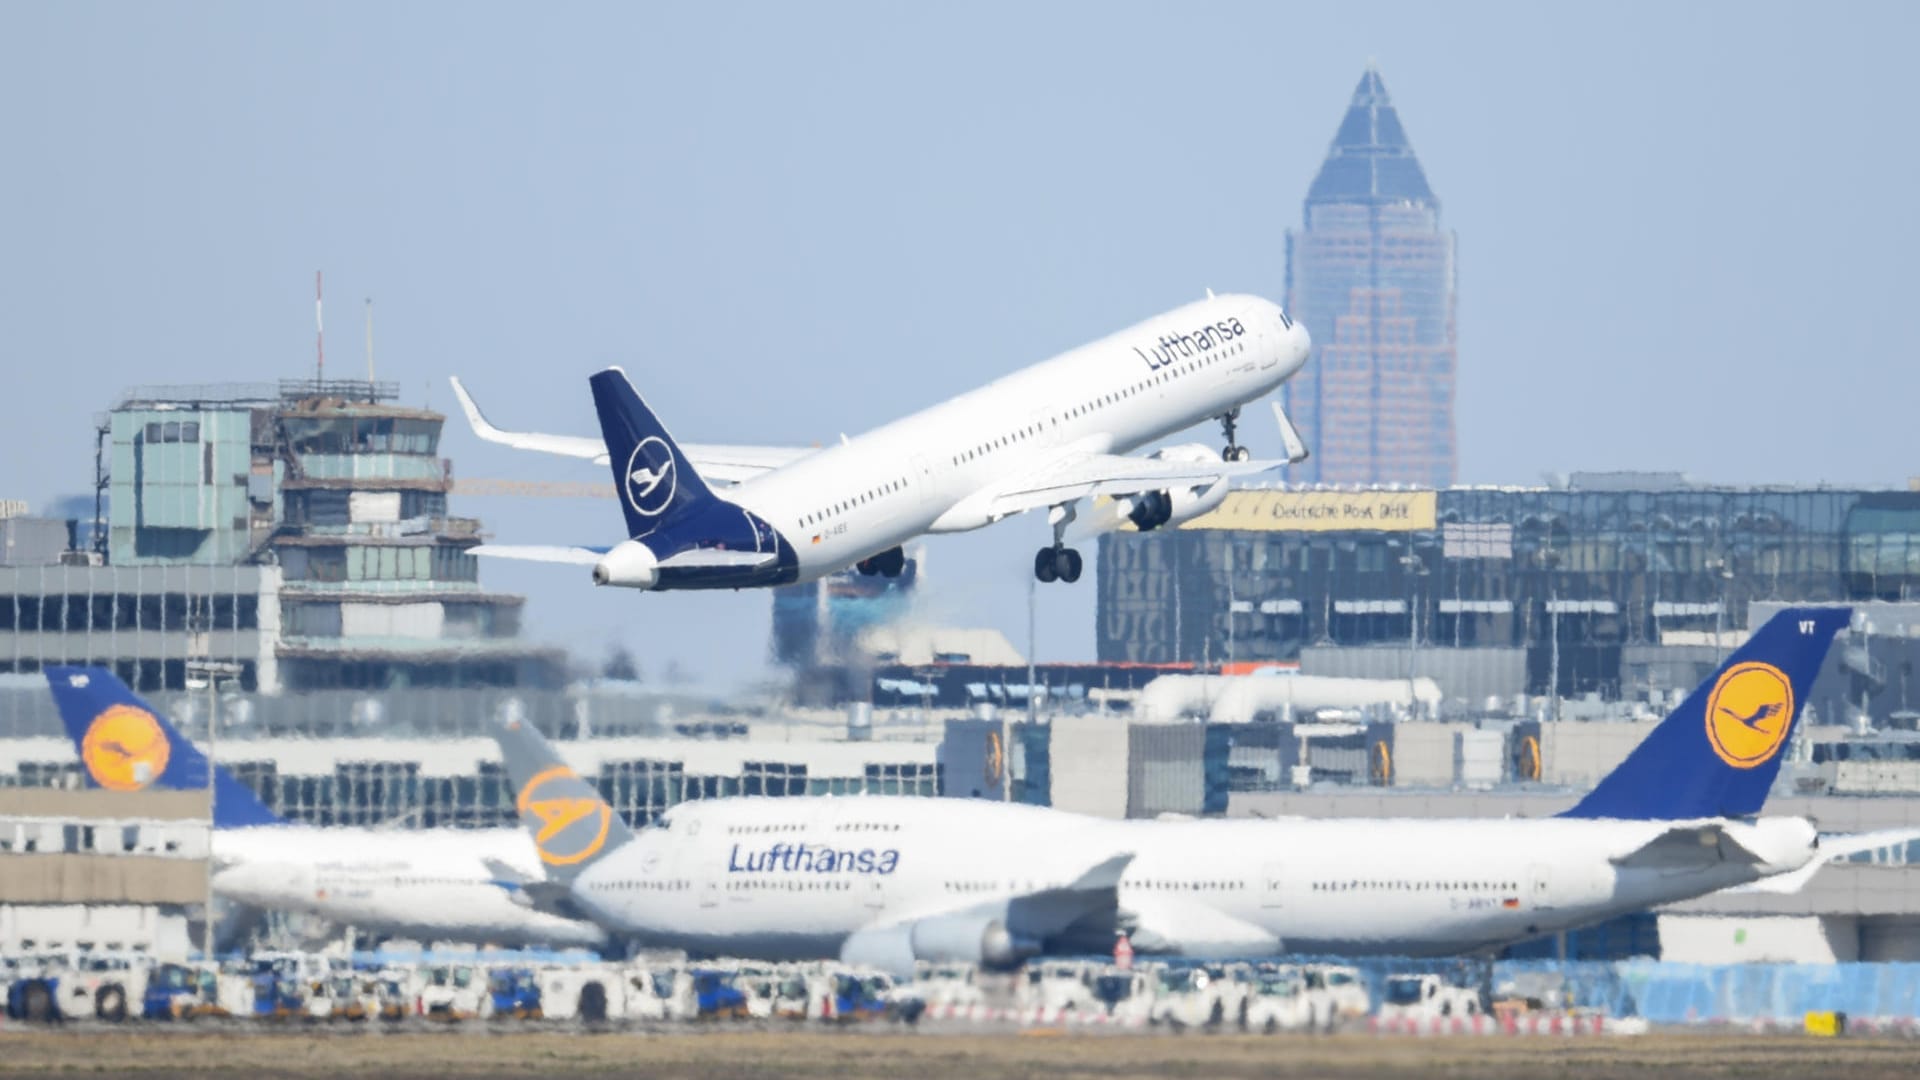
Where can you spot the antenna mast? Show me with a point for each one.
(319, 334)
(369, 340)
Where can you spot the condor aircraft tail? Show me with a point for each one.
(1718, 753)
(572, 826)
(655, 480)
(126, 744)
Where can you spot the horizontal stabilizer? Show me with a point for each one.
(1832, 849)
(548, 553)
(715, 559)
(1687, 847)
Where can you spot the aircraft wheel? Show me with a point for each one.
(1045, 565)
(1067, 565)
(37, 1003)
(593, 1003)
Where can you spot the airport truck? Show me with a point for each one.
(1425, 997)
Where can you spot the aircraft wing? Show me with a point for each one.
(992, 933)
(1685, 847)
(1832, 849)
(721, 463)
(1080, 475)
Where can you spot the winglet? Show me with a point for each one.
(483, 429)
(475, 418)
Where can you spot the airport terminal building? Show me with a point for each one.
(1615, 586)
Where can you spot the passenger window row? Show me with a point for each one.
(865, 497)
(1003, 441)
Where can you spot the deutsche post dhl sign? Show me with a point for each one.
(1321, 511)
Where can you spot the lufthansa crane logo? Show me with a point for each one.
(124, 749)
(572, 828)
(651, 478)
(1748, 713)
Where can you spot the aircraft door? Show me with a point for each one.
(1540, 886)
(1273, 884)
(921, 479)
(709, 893)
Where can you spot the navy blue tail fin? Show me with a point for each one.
(1718, 753)
(126, 744)
(655, 480)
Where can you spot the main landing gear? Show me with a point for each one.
(1232, 451)
(888, 563)
(1057, 564)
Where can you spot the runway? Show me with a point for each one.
(482, 1051)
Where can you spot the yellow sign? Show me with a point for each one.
(573, 828)
(1748, 713)
(1322, 511)
(124, 749)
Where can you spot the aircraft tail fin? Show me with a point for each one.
(126, 744)
(1717, 754)
(656, 481)
(572, 826)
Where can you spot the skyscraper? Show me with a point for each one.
(1372, 273)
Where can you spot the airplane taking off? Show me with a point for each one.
(889, 881)
(1050, 436)
(432, 884)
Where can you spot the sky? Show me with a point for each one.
(1686, 239)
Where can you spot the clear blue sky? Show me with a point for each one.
(1687, 232)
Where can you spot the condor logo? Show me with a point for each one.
(124, 749)
(1748, 713)
(573, 827)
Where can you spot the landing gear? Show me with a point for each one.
(1232, 451)
(1057, 564)
(889, 563)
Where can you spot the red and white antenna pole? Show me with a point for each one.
(319, 334)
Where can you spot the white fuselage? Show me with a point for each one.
(430, 884)
(752, 877)
(937, 470)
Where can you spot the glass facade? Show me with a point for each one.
(1596, 570)
(1371, 274)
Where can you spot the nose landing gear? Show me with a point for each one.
(1232, 451)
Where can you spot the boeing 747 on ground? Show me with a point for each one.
(1054, 436)
(890, 881)
(429, 884)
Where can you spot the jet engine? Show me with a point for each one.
(629, 565)
(1156, 509)
(980, 938)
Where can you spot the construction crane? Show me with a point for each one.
(540, 489)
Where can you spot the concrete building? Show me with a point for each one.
(100, 871)
(299, 531)
(1617, 586)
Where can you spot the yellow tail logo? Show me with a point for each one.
(558, 841)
